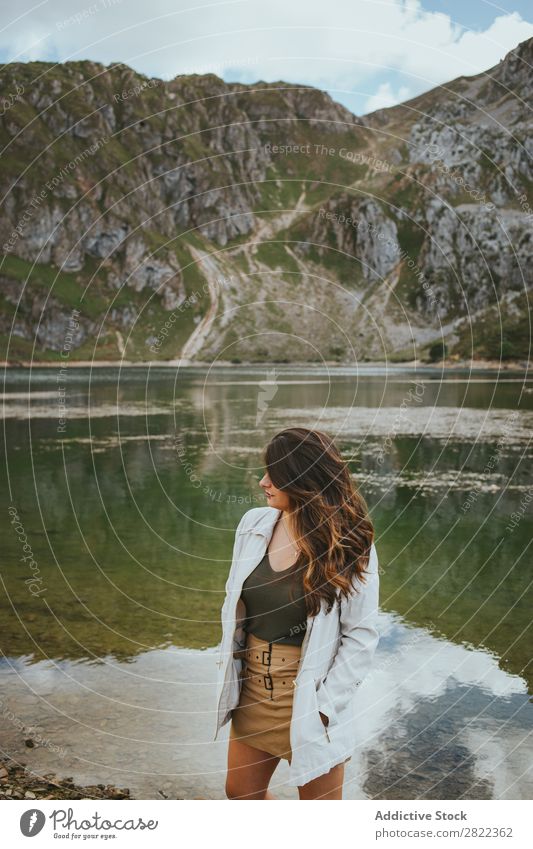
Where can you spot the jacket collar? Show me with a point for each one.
(265, 523)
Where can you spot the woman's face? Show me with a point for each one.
(275, 497)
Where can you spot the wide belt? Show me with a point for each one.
(275, 659)
(270, 683)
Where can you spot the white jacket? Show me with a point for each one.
(337, 653)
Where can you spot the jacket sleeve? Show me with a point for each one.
(234, 563)
(358, 642)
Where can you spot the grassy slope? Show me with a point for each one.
(317, 176)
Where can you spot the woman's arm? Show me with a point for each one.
(359, 639)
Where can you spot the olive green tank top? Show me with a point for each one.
(273, 612)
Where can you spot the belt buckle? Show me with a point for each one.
(268, 678)
(269, 656)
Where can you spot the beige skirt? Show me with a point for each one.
(263, 716)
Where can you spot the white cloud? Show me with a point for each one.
(385, 96)
(470, 53)
(343, 46)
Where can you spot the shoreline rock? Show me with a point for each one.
(18, 782)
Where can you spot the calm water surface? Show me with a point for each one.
(129, 506)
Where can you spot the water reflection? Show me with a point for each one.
(432, 720)
(131, 515)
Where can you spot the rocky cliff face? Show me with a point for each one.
(206, 220)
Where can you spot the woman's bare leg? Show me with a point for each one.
(249, 772)
(327, 786)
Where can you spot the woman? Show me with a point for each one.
(298, 622)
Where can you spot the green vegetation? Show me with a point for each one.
(500, 333)
(410, 237)
(438, 351)
(67, 289)
(404, 193)
(173, 125)
(276, 256)
(276, 193)
(66, 293)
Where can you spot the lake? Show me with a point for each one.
(126, 486)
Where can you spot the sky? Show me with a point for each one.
(366, 53)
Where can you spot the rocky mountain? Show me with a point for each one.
(210, 221)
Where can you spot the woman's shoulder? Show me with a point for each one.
(373, 562)
(256, 518)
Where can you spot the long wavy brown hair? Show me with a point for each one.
(328, 516)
